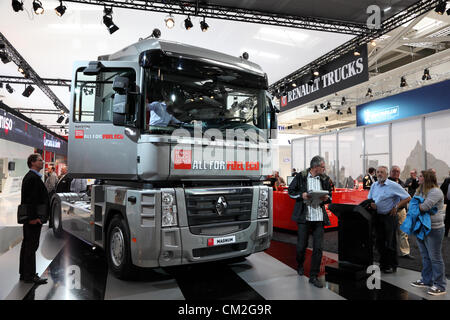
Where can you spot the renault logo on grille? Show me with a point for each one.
(221, 205)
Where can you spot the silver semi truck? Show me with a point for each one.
(178, 140)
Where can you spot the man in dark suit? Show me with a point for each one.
(35, 197)
(369, 179)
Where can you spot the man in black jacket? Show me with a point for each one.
(35, 197)
(310, 216)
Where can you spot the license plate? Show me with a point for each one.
(221, 241)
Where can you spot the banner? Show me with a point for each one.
(344, 72)
(17, 130)
(407, 104)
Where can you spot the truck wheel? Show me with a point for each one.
(56, 218)
(118, 248)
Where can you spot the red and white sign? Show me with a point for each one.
(79, 134)
(284, 101)
(221, 241)
(182, 159)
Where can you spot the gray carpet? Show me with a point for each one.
(330, 244)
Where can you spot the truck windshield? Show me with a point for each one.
(191, 94)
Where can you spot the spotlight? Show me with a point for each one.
(61, 9)
(373, 43)
(426, 75)
(326, 118)
(403, 82)
(328, 105)
(4, 57)
(440, 9)
(369, 93)
(9, 88)
(17, 5)
(1, 85)
(343, 101)
(170, 21)
(315, 109)
(322, 106)
(311, 82)
(338, 112)
(356, 53)
(315, 72)
(349, 110)
(67, 120)
(60, 119)
(188, 23)
(21, 70)
(293, 84)
(156, 33)
(28, 91)
(203, 25)
(107, 20)
(37, 7)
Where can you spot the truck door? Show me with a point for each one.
(98, 148)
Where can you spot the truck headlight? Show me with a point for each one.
(169, 209)
(263, 203)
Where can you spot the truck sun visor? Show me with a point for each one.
(93, 68)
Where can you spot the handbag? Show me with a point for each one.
(22, 213)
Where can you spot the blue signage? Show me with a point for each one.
(432, 98)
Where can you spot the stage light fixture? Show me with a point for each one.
(369, 93)
(440, 9)
(338, 112)
(108, 21)
(188, 23)
(9, 88)
(322, 106)
(403, 82)
(156, 33)
(349, 110)
(426, 75)
(311, 82)
(316, 109)
(28, 91)
(4, 57)
(373, 43)
(328, 105)
(343, 101)
(17, 5)
(356, 53)
(61, 9)
(203, 25)
(37, 7)
(170, 21)
(60, 119)
(1, 85)
(293, 84)
(315, 73)
(67, 120)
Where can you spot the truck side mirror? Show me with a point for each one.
(120, 102)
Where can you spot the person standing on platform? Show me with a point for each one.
(51, 181)
(388, 196)
(64, 181)
(35, 197)
(310, 216)
(433, 267)
(445, 188)
(405, 249)
(412, 183)
(370, 178)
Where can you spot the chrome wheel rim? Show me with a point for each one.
(117, 246)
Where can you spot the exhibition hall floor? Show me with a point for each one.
(77, 272)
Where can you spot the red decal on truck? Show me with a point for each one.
(79, 134)
(182, 159)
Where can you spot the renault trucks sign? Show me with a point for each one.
(344, 72)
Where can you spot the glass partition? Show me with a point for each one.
(377, 146)
(312, 149)
(438, 145)
(328, 152)
(350, 153)
(407, 146)
(298, 154)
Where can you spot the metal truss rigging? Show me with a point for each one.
(198, 8)
(388, 25)
(30, 73)
(25, 81)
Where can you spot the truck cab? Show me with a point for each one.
(179, 140)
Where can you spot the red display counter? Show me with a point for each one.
(283, 205)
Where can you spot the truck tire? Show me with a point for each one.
(118, 248)
(56, 221)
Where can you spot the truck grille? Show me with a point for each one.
(201, 206)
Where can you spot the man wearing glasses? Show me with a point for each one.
(310, 214)
(35, 198)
